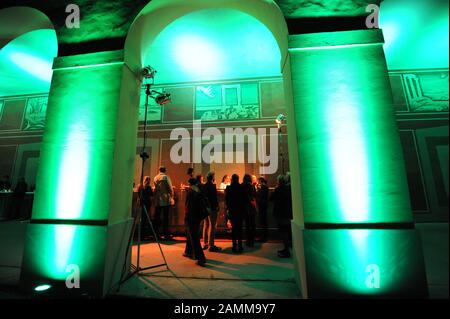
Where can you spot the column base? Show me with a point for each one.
(56, 256)
(360, 263)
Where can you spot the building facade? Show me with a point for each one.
(366, 140)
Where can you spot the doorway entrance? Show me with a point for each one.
(222, 64)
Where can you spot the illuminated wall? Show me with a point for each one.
(416, 33)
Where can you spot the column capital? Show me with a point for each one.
(310, 41)
(88, 59)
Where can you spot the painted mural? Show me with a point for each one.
(35, 112)
(227, 102)
(427, 91)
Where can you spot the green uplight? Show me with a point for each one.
(42, 288)
(37, 67)
(364, 262)
(78, 146)
(351, 166)
(213, 45)
(196, 55)
(55, 247)
(26, 63)
(64, 236)
(348, 154)
(73, 173)
(416, 33)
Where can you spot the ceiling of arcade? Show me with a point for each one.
(106, 19)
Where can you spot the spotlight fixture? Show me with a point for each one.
(42, 288)
(280, 120)
(148, 72)
(161, 98)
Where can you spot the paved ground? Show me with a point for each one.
(257, 273)
(435, 242)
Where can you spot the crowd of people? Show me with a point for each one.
(15, 209)
(244, 202)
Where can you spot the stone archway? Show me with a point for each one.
(158, 14)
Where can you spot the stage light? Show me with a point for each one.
(162, 98)
(42, 288)
(280, 120)
(148, 72)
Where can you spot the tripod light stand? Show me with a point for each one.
(148, 73)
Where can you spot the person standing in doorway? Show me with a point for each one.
(210, 223)
(234, 203)
(195, 212)
(18, 199)
(145, 194)
(249, 202)
(282, 212)
(163, 200)
(226, 180)
(262, 200)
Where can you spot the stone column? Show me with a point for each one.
(357, 236)
(81, 217)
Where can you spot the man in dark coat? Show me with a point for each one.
(249, 201)
(209, 224)
(195, 212)
(262, 199)
(282, 211)
(235, 208)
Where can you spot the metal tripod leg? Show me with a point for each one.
(157, 241)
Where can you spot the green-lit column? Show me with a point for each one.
(81, 213)
(356, 207)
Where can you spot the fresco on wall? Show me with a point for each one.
(427, 91)
(154, 109)
(35, 113)
(225, 102)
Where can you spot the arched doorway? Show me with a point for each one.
(191, 53)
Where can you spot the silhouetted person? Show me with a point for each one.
(289, 207)
(190, 173)
(209, 224)
(282, 211)
(18, 198)
(262, 200)
(226, 180)
(234, 202)
(145, 194)
(200, 181)
(5, 183)
(249, 202)
(195, 212)
(163, 200)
